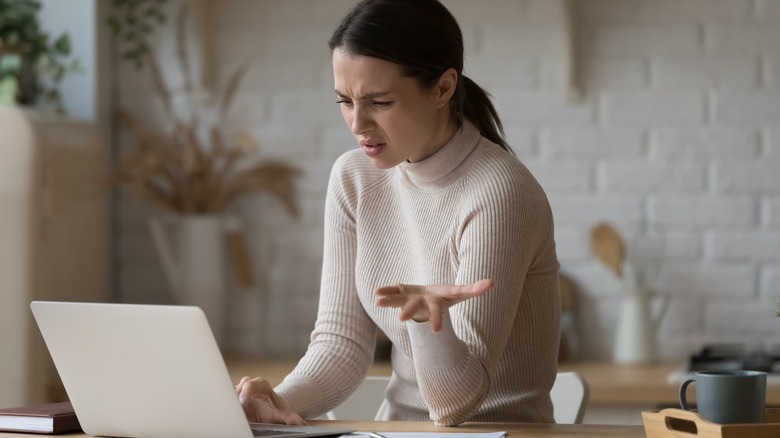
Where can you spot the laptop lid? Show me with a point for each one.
(144, 371)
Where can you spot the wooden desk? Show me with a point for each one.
(639, 384)
(513, 430)
(618, 393)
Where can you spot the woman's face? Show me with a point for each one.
(390, 115)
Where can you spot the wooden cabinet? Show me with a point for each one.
(54, 237)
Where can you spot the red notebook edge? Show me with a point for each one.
(55, 418)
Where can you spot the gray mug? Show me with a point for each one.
(728, 396)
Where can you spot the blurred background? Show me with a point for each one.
(660, 118)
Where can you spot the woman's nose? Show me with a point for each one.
(361, 122)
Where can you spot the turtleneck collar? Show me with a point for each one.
(441, 169)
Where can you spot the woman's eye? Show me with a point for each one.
(344, 102)
(382, 103)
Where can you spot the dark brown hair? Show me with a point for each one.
(423, 38)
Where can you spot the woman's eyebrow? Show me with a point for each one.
(366, 96)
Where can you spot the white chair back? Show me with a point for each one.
(569, 396)
(364, 403)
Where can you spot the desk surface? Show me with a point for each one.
(512, 429)
(640, 384)
(609, 384)
(612, 384)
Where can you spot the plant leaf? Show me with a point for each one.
(62, 45)
(184, 59)
(10, 63)
(8, 87)
(230, 90)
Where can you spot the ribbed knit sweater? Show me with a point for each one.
(468, 212)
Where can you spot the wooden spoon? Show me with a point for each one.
(608, 246)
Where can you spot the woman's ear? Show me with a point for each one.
(445, 87)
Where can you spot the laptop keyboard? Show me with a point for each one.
(270, 432)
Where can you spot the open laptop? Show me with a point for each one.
(148, 371)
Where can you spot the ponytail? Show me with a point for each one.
(393, 30)
(473, 104)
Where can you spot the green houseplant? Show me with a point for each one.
(131, 22)
(32, 62)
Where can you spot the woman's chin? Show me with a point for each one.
(381, 164)
(383, 161)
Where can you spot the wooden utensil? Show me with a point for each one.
(608, 246)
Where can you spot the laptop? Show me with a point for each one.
(144, 371)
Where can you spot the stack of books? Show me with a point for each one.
(47, 418)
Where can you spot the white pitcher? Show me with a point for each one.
(636, 339)
(195, 270)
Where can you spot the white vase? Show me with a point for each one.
(636, 338)
(195, 267)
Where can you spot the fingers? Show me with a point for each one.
(397, 295)
(414, 307)
(482, 286)
(249, 388)
(435, 315)
(398, 290)
(267, 412)
(251, 412)
(388, 290)
(428, 303)
(262, 404)
(293, 419)
(478, 288)
(391, 300)
(466, 291)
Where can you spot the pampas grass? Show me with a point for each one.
(196, 168)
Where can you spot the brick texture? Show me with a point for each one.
(676, 133)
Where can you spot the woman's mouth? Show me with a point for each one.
(372, 149)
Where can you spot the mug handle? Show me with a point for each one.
(683, 399)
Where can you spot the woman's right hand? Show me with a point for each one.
(428, 303)
(263, 405)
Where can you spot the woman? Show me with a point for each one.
(434, 233)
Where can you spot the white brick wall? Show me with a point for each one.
(678, 128)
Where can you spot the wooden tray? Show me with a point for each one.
(678, 423)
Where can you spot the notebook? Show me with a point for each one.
(143, 371)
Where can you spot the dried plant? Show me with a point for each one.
(191, 169)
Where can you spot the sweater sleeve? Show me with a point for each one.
(342, 343)
(500, 234)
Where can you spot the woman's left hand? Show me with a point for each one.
(428, 303)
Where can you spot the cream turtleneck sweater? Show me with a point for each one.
(468, 212)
